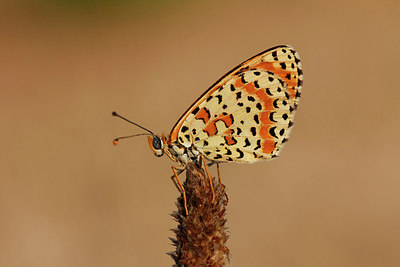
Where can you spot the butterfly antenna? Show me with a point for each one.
(117, 115)
(115, 141)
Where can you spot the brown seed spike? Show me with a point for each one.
(201, 235)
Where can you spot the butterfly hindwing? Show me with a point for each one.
(246, 115)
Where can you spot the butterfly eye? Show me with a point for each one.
(157, 143)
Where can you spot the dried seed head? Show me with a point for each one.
(201, 235)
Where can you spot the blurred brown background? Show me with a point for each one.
(70, 198)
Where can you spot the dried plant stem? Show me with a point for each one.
(201, 235)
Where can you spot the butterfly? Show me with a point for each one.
(245, 116)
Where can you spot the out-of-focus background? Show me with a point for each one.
(68, 197)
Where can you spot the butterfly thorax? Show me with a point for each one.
(183, 154)
(176, 151)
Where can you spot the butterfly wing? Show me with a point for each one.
(247, 114)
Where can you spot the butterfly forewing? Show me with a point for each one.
(246, 115)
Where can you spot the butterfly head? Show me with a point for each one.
(157, 144)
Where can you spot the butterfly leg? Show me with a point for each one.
(178, 171)
(209, 177)
(219, 175)
(180, 186)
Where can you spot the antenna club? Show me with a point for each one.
(115, 141)
(114, 113)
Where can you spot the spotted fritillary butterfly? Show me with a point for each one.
(246, 116)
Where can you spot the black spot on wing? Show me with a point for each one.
(271, 117)
(232, 119)
(218, 156)
(256, 119)
(258, 144)
(274, 54)
(250, 98)
(275, 103)
(241, 154)
(272, 132)
(184, 129)
(299, 71)
(253, 131)
(219, 98)
(247, 142)
(194, 112)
